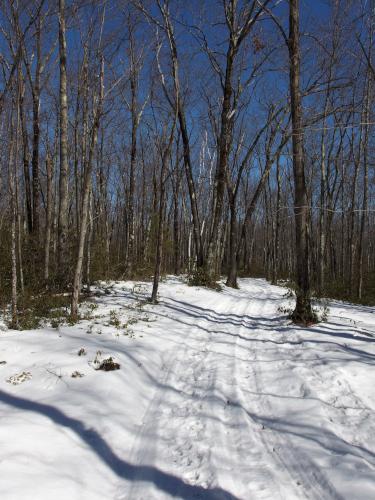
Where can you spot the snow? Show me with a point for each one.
(218, 396)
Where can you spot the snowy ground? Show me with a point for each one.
(217, 397)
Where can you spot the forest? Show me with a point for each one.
(187, 249)
(144, 138)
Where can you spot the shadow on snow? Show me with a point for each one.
(164, 481)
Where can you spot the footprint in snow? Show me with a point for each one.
(19, 378)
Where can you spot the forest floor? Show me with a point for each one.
(218, 396)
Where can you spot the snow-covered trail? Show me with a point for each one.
(218, 397)
(246, 415)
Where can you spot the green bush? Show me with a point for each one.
(33, 310)
(201, 277)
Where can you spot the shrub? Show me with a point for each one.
(201, 277)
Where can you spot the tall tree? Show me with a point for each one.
(240, 23)
(303, 312)
(86, 194)
(62, 250)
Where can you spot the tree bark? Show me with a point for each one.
(178, 107)
(365, 185)
(36, 134)
(303, 311)
(62, 247)
(86, 199)
(161, 214)
(232, 264)
(47, 241)
(13, 207)
(25, 152)
(277, 225)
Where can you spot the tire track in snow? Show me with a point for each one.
(139, 455)
(243, 436)
(302, 471)
(274, 483)
(176, 422)
(221, 398)
(298, 464)
(345, 409)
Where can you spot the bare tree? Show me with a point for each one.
(303, 311)
(239, 24)
(62, 250)
(165, 158)
(86, 195)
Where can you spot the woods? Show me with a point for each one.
(230, 138)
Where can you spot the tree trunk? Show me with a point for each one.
(232, 259)
(191, 188)
(303, 311)
(365, 185)
(179, 108)
(161, 212)
(159, 239)
(13, 206)
(36, 133)
(25, 152)
(277, 225)
(89, 243)
(62, 250)
(352, 229)
(224, 145)
(47, 242)
(86, 200)
(133, 159)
